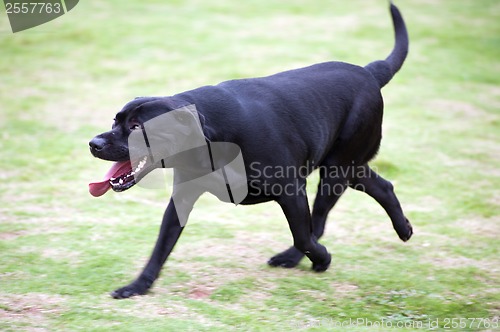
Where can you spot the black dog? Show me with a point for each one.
(325, 116)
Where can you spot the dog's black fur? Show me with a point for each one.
(328, 115)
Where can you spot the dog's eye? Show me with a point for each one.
(135, 127)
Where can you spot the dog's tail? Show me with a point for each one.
(384, 70)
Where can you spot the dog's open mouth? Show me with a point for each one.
(120, 177)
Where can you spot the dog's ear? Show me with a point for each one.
(136, 102)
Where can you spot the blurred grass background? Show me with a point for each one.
(62, 251)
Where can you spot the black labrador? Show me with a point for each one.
(326, 116)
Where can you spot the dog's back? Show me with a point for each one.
(313, 103)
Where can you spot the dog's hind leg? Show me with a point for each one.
(383, 192)
(330, 188)
(296, 210)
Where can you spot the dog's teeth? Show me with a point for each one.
(140, 165)
(121, 181)
(113, 179)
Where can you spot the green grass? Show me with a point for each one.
(62, 251)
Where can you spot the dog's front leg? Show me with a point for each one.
(170, 231)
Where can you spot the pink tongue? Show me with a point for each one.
(97, 189)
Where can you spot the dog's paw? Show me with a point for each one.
(288, 258)
(130, 290)
(323, 266)
(407, 231)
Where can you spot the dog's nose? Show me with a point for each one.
(97, 144)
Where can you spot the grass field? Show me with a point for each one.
(62, 251)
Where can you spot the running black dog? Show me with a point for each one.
(325, 116)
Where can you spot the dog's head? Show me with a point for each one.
(144, 134)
